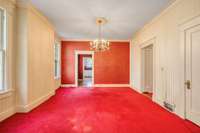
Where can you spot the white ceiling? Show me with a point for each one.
(75, 19)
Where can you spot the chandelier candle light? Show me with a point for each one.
(100, 45)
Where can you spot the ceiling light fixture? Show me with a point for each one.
(100, 44)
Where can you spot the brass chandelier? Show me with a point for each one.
(100, 44)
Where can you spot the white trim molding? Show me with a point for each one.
(9, 112)
(77, 52)
(89, 40)
(99, 85)
(68, 85)
(6, 93)
(154, 99)
(135, 89)
(130, 62)
(34, 104)
(147, 43)
(112, 85)
(171, 5)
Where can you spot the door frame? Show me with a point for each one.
(142, 46)
(77, 53)
(195, 21)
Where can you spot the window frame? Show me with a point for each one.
(4, 50)
(57, 60)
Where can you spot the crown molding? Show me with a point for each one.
(9, 1)
(89, 40)
(9, 5)
(13, 1)
(161, 14)
(27, 5)
(23, 4)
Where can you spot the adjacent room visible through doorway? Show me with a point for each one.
(147, 56)
(85, 70)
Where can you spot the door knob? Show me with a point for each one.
(188, 84)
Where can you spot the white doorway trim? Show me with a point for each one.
(77, 52)
(142, 46)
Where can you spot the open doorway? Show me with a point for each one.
(84, 75)
(147, 70)
(85, 70)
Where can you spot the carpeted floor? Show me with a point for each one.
(100, 110)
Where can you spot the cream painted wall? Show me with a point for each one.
(7, 98)
(40, 57)
(165, 29)
(35, 71)
(30, 57)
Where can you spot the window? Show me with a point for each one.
(2, 49)
(57, 60)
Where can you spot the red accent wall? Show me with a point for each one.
(110, 67)
(80, 65)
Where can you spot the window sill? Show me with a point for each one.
(6, 93)
(57, 78)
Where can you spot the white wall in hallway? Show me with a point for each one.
(165, 29)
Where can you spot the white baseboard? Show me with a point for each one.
(134, 88)
(34, 104)
(7, 113)
(158, 101)
(68, 85)
(99, 85)
(111, 85)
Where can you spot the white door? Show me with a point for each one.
(148, 69)
(192, 73)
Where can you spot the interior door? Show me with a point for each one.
(192, 74)
(148, 69)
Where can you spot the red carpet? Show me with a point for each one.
(101, 110)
